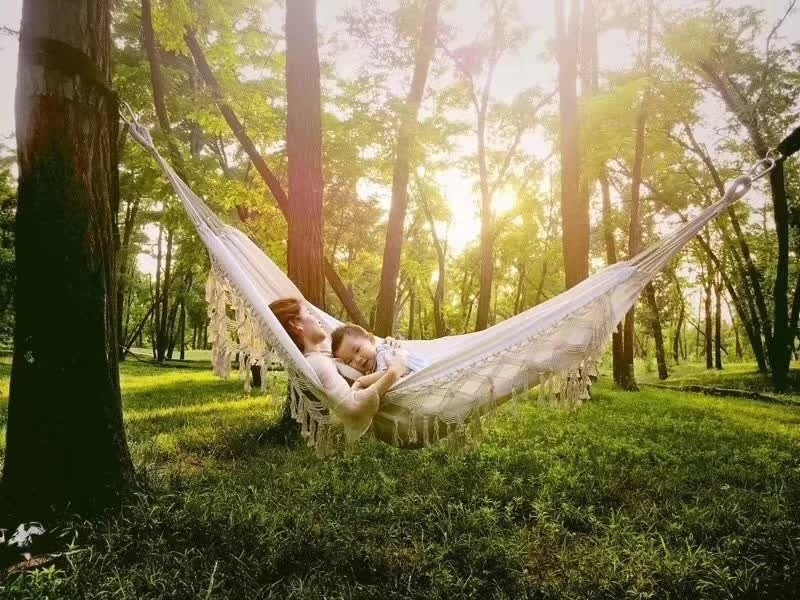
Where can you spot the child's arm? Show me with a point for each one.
(367, 380)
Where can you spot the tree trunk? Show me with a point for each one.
(157, 295)
(574, 211)
(718, 327)
(438, 296)
(709, 323)
(182, 334)
(634, 245)
(158, 87)
(750, 328)
(405, 139)
(617, 358)
(162, 339)
(65, 454)
(487, 230)
(750, 274)
(676, 342)
(411, 309)
(304, 151)
(170, 335)
(522, 268)
(794, 319)
(131, 212)
(269, 178)
(782, 339)
(749, 116)
(658, 335)
(697, 327)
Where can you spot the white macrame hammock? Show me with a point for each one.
(554, 345)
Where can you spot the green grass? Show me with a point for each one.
(636, 495)
(734, 376)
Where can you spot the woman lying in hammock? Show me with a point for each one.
(356, 407)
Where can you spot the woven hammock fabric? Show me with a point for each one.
(554, 345)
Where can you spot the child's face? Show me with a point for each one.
(357, 351)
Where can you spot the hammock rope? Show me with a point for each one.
(554, 345)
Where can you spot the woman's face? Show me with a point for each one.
(309, 327)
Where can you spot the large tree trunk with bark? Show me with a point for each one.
(66, 444)
(384, 317)
(304, 151)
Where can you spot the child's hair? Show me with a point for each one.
(348, 329)
(287, 310)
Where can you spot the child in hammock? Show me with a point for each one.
(356, 347)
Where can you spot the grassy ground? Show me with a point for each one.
(636, 495)
(742, 376)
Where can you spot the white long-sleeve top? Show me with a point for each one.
(355, 408)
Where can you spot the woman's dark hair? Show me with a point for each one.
(287, 311)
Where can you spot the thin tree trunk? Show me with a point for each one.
(634, 245)
(718, 327)
(405, 139)
(487, 236)
(697, 336)
(182, 331)
(65, 455)
(522, 268)
(709, 323)
(411, 309)
(162, 340)
(617, 358)
(157, 295)
(635, 230)
(658, 335)
(676, 342)
(794, 319)
(438, 296)
(124, 259)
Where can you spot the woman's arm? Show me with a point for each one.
(367, 380)
(387, 378)
(354, 403)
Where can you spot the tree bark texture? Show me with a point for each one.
(66, 446)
